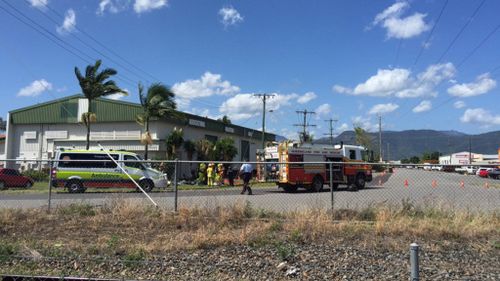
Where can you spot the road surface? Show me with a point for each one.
(418, 187)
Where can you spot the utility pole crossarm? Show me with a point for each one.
(305, 124)
(331, 123)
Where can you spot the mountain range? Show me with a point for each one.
(405, 144)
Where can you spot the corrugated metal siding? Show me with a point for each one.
(66, 111)
(109, 111)
(60, 112)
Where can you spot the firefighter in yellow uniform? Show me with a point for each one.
(219, 179)
(210, 174)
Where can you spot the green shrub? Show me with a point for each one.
(36, 175)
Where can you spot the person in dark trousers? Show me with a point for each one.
(231, 175)
(246, 175)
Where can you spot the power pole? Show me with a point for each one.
(331, 123)
(470, 150)
(305, 124)
(387, 152)
(264, 98)
(380, 136)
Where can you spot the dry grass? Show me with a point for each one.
(128, 230)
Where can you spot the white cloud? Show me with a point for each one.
(39, 3)
(400, 83)
(364, 122)
(69, 23)
(323, 109)
(341, 89)
(480, 116)
(426, 82)
(35, 88)
(208, 85)
(423, 106)
(398, 27)
(230, 16)
(244, 106)
(459, 104)
(141, 6)
(384, 83)
(482, 85)
(383, 108)
(307, 97)
(342, 128)
(117, 96)
(403, 28)
(113, 6)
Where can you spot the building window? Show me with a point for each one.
(86, 163)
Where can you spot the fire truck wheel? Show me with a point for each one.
(289, 188)
(317, 184)
(360, 181)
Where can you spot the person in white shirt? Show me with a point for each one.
(246, 175)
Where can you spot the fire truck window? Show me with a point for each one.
(352, 154)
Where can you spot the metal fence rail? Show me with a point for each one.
(174, 184)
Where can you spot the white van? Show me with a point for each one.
(78, 170)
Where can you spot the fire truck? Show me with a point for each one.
(312, 176)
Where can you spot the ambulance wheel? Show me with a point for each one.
(289, 188)
(147, 185)
(360, 181)
(317, 184)
(75, 186)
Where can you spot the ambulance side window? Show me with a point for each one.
(136, 165)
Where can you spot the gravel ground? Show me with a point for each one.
(330, 260)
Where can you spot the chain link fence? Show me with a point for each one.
(280, 187)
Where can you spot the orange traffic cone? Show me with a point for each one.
(406, 183)
(434, 184)
(462, 184)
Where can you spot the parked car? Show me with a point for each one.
(437, 168)
(469, 170)
(12, 178)
(483, 172)
(494, 173)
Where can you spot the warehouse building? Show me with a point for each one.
(463, 158)
(36, 132)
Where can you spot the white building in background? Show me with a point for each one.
(463, 158)
(35, 132)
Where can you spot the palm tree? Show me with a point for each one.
(174, 141)
(204, 149)
(156, 103)
(95, 84)
(225, 149)
(190, 148)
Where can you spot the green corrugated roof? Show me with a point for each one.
(65, 110)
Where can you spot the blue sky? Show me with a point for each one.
(347, 60)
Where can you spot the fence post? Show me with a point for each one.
(50, 186)
(175, 184)
(414, 249)
(331, 187)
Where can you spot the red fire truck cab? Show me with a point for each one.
(313, 173)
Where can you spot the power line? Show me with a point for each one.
(461, 31)
(105, 47)
(429, 36)
(305, 124)
(54, 38)
(90, 46)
